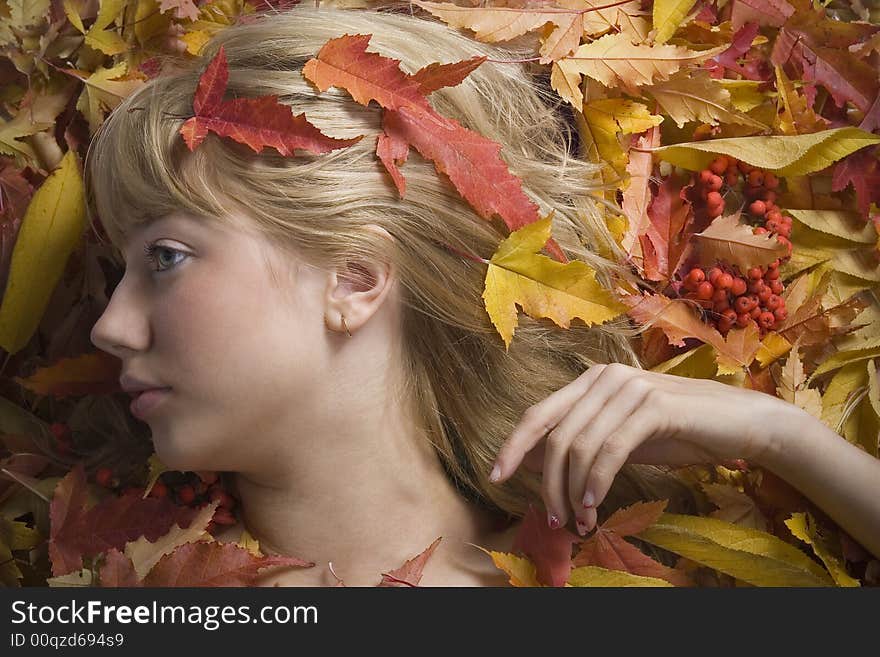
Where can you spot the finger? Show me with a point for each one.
(539, 420)
(623, 401)
(645, 422)
(554, 486)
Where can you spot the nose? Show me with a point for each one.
(123, 327)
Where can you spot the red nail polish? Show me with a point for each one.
(553, 521)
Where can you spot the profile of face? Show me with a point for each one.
(239, 352)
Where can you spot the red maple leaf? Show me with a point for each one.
(549, 549)
(410, 573)
(862, 169)
(256, 122)
(471, 161)
(77, 532)
(607, 548)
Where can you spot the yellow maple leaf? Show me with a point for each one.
(522, 572)
(543, 287)
(104, 91)
(99, 37)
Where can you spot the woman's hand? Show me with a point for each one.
(581, 435)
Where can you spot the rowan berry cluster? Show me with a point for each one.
(731, 297)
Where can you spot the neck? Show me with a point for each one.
(366, 515)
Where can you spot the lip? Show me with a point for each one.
(145, 401)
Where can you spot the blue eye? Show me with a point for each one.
(150, 249)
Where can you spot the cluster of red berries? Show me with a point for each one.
(733, 299)
(184, 488)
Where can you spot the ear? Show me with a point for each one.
(359, 291)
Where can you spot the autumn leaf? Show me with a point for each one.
(256, 122)
(411, 571)
(608, 549)
(734, 506)
(598, 576)
(803, 526)
(793, 386)
(521, 571)
(614, 60)
(94, 373)
(77, 532)
(783, 155)
(51, 230)
(493, 24)
(203, 564)
(471, 161)
(734, 242)
(549, 549)
(679, 321)
(753, 556)
(517, 274)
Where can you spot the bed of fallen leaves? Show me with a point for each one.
(738, 143)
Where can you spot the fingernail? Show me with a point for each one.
(552, 520)
(589, 500)
(496, 474)
(582, 528)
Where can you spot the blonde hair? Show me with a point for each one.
(468, 391)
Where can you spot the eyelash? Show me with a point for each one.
(150, 249)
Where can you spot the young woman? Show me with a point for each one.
(314, 339)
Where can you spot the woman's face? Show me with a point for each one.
(240, 353)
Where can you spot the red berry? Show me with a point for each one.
(725, 281)
(705, 290)
(784, 240)
(731, 178)
(739, 286)
(776, 215)
(159, 489)
(742, 305)
(714, 198)
(773, 302)
(719, 165)
(766, 320)
(104, 477)
(705, 176)
(758, 208)
(780, 314)
(755, 312)
(715, 211)
(760, 230)
(696, 275)
(719, 295)
(764, 294)
(770, 181)
(776, 287)
(742, 320)
(744, 167)
(724, 325)
(730, 314)
(756, 178)
(772, 225)
(768, 196)
(772, 274)
(714, 183)
(755, 273)
(186, 494)
(714, 273)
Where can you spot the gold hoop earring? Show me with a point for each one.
(345, 327)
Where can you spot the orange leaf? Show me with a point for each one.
(95, 373)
